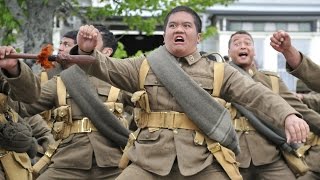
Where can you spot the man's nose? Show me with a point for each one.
(243, 45)
(61, 47)
(179, 28)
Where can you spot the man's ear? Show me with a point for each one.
(107, 51)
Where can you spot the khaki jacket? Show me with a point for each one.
(308, 72)
(25, 87)
(78, 150)
(156, 150)
(41, 132)
(312, 100)
(308, 114)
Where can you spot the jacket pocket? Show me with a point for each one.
(147, 137)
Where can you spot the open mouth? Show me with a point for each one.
(243, 54)
(179, 39)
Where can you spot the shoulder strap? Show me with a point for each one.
(61, 92)
(113, 94)
(43, 77)
(218, 73)
(144, 68)
(274, 84)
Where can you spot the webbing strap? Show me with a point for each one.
(144, 68)
(275, 84)
(61, 92)
(225, 158)
(124, 161)
(45, 160)
(170, 120)
(113, 94)
(218, 73)
(144, 102)
(43, 77)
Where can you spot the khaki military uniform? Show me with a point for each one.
(161, 152)
(83, 155)
(260, 158)
(312, 156)
(308, 72)
(312, 100)
(26, 81)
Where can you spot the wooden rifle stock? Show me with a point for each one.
(61, 58)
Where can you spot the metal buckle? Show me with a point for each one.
(85, 125)
(3, 153)
(215, 147)
(50, 151)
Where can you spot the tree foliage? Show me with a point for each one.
(147, 14)
(33, 20)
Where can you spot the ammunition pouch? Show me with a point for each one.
(296, 163)
(117, 109)
(296, 160)
(62, 122)
(63, 114)
(16, 165)
(242, 124)
(141, 97)
(312, 140)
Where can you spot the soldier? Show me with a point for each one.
(15, 135)
(184, 133)
(264, 161)
(82, 151)
(298, 64)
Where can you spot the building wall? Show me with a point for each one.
(261, 18)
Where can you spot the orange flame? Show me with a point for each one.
(43, 57)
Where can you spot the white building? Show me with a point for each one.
(261, 18)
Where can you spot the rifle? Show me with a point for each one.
(45, 57)
(61, 58)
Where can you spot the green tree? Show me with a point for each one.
(147, 14)
(33, 20)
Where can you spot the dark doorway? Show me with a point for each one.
(134, 43)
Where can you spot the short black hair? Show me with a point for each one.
(239, 32)
(72, 35)
(108, 38)
(196, 17)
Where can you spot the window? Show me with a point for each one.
(260, 26)
(259, 50)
